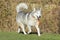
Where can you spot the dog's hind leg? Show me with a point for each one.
(19, 29)
(29, 29)
(23, 29)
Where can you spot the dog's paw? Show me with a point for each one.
(29, 32)
(39, 35)
(25, 33)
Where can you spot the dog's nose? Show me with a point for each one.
(39, 17)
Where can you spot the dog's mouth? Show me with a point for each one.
(39, 17)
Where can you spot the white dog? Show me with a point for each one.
(29, 19)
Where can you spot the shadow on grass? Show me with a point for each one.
(31, 33)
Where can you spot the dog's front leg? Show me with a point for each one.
(38, 30)
(23, 29)
(29, 29)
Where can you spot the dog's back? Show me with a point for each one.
(21, 17)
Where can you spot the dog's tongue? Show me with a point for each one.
(38, 22)
(38, 18)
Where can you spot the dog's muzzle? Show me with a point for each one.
(39, 17)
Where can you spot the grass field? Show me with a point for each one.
(16, 36)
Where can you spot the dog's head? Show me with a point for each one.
(37, 13)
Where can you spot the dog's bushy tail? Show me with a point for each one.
(21, 5)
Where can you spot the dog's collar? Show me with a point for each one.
(33, 16)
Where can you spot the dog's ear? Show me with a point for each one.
(40, 8)
(34, 9)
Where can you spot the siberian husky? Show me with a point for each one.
(29, 19)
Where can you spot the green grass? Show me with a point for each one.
(16, 36)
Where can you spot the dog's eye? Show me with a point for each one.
(39, 16)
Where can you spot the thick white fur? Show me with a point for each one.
(21, 5)
(31, 21)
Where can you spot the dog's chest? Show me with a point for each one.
(32, 22)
